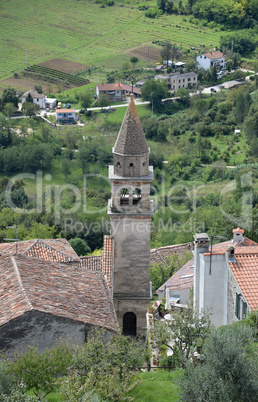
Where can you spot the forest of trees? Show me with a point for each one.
(231, 13)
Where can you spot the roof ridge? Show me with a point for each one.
(108, 295)
(153, 250)
(40, 241)
(20, 282)
(34, 241)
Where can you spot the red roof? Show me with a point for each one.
(68, 291)
(214, 55)
(128, 88)
(245, 271)
(181, 280)
(65, 110)
(58, 250)
(111, 87)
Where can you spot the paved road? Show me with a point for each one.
(207, 90)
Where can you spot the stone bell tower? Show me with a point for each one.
(130, 210)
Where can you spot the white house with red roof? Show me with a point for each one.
(65, 116)
(223, 277)
(211, 59)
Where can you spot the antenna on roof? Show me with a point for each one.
(16, 239)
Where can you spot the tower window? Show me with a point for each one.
(124, 196)
(137, 195)
(144, 163)
(118, 164)
(131, 164)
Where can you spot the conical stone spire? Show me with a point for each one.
(131, 152)
(131, 139)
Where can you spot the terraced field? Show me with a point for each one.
(55, 74)
(83, 32)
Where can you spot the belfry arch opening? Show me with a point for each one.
(137, 196)
(129, 324)
(124, 196)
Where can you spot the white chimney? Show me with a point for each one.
(238, 234)
(201, 245)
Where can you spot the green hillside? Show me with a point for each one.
(84, 32)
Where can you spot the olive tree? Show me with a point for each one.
(229, 371)
(185, 332)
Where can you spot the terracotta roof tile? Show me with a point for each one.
(182, 279)
(245, 270)
(214, 55)
(93, 262)
(111, 87)
(68, 291)
(58, 250)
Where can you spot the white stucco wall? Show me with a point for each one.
(214, 287)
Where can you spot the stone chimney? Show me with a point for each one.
(201, 245)
(238, 235)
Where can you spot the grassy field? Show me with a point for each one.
(161, 383)
(160, 386)
(82, 31)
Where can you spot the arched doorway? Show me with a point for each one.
(129, 324)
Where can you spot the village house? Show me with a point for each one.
(117, 92)
(176, 81)
(40, 99)
(47, 293)
(65, 116)
(223, 277)
(211, 59)
(114, 92)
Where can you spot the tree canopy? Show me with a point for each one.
(154, 91)
(229, 371)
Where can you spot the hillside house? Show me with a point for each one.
(114, 92)
(117, 92)
(65, 116)
(40, 99)
(176, 81)
(211, 59)
(223, 278)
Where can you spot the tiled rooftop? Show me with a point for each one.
(58, 250)
(214, 55)
(182, 279)
(63, 290)
(245, 270)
